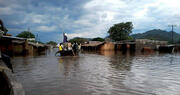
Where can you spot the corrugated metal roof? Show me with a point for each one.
(93, 43)
(12, 37)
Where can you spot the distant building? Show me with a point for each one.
(31, 39)
(154, 44)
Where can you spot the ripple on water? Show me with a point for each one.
(97, 74)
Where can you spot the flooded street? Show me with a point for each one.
(106, 73)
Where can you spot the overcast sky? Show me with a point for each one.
(86, 18)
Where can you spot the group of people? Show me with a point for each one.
(75, 47)
(68, 46)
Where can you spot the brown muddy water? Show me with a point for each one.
(105, 73)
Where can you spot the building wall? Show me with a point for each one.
(118, 46)
(30, 50)
(6, 46)
(123, 47)
(17, 49)
(141, 43)
(17, 46)
(108, 46)
(138, 44)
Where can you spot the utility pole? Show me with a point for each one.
(172, 35)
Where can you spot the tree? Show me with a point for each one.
(52, 43)
(98, 39)
(78, 40)
(120, 31)
(26, 34)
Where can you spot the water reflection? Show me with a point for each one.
(100, 73)
(67, 63)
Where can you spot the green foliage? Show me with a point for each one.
(26, 34)
(98, 39)
(78, 40)
(130, 38)
(178, 42)
(120, 31)
(52, 43)
(157, 34)
(5, 30)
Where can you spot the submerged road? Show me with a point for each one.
(106, 73)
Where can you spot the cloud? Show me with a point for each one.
(88, 18)
(144, 14)
(6, 11)
(41, 19)
(46, 28)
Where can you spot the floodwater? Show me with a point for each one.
(104, 73)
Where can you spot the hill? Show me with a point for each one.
(157, 34)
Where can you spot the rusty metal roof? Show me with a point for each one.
(14, 38)
(93, 43)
